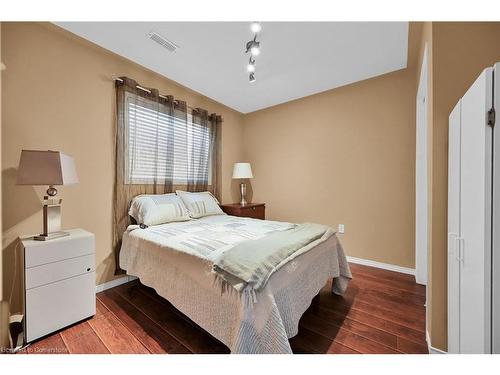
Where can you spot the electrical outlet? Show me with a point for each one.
(341, 228)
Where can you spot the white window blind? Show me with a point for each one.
(160, 147)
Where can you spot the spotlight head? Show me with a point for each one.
(251, 65)
(255, 49)
(255, 27)
(251, 78)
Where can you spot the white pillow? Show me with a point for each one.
(157, 209)
(200, 204)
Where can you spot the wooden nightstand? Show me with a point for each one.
(59, 282)
(253, 210)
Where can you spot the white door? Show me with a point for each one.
(496, 221)
(475, 217)
(421, 218)
(454, 238)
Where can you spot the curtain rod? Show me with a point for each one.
(115, 78)
(138, 87)
(147, 90)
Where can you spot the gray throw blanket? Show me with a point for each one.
(251, 263)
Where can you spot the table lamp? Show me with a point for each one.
(242, 170)
(48, 168)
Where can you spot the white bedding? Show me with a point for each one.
(176, 260)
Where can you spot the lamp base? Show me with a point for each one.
(51, 218)
(243, 192)
(50, 236)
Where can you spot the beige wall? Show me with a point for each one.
(344, 156)
(460, 52)
(58, 95)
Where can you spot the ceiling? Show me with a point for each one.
(297, 58)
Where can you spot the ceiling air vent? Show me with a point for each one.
(164, 42)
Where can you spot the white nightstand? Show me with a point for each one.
(59, 282)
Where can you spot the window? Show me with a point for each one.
(160, 147)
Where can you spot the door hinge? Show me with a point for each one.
(491, 117)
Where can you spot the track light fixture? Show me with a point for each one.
(253, 47)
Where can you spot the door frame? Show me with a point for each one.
(495, 253)
(421, 177)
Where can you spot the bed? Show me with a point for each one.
(176, 259)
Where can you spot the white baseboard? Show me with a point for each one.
(111, 284)
(384, 266)
(432, 350)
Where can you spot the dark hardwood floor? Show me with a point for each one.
(381, 312)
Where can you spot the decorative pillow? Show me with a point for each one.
(157, 209)
(200, 204)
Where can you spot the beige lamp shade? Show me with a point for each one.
(46, 168)
(242, 170)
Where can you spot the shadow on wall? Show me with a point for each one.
(12, 276)
(19, 203)
(105, 268)
(235, 191)
(249, 196)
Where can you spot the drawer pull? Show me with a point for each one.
(253, 208)
(88, 269)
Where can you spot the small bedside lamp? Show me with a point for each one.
(48, 168)
(242, 170)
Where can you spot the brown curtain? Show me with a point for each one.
(216, 152)
(129, 98)
(167, 123)
(204, 169)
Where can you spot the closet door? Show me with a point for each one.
(454, 230)
(475, 217)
